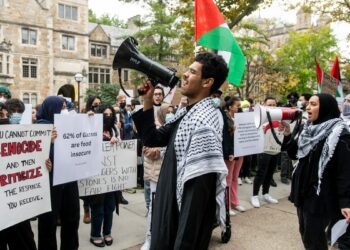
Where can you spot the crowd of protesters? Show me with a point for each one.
(184, 187)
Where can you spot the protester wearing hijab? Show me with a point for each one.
(64, 197)
(320, 185)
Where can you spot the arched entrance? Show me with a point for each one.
(67, 90)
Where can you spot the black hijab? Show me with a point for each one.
(328, 108)
(52, 105)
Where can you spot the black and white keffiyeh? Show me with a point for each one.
(313, 134)
(198, 148)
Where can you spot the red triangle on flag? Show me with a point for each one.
(207, 17)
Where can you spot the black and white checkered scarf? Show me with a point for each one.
(198, 148)
(313, 134)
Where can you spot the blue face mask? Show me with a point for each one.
(169, 117)
(15, 118)
(216, 102)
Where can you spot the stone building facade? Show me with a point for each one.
(44, 43)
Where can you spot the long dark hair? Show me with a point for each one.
(89, 102)
(111, 128)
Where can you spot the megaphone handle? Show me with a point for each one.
(272, 128)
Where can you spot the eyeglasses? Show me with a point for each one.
(155, 94)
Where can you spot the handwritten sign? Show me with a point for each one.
(118, 169)
(78, 147)
(24, 178)
(248, 139)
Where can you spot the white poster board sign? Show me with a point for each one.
(78, 147)
(169, 94)
(248, 140)
(24, 178)
(27, 114)
(119, 169)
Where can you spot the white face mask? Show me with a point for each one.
(64, 112)
(169, 117)
(3, 99)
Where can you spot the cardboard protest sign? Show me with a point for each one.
(27, 114)
(248, 139)
(78, 147)
(118, 169)
(329, 84)
(24, 178)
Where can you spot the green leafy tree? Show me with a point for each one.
(296, 59)
(106, 19)
(107, 92)
(157, 32)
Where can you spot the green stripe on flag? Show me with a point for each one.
(221, 38)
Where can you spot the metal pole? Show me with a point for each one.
(78, 96)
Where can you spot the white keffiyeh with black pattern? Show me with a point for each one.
(198, 149)
(313, 134)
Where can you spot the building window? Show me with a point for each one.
(28, 36)
(67, 12)
(68, 42)
(99, 75)
(125, 75)
(98, 50)
(30, 98)
(29, 66)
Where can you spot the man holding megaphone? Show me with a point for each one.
(191, 185)
(269, 117)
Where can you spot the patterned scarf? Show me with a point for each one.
(198, 148)
(313, 134)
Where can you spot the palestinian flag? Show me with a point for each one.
(212, 32)
(319, 74)
(335, 72)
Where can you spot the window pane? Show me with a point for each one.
(33, 37)
(71, 44)
(126, 76)
(74, 13)
(104, 51)
(33, 71)
(8, 65)
(93, 49)
(0, 64)
(26, 98)
(98, 51)
(108, 78)
(25, 36)
(102, 78)
(64, 42)
(25, 71)
(68, 12)
(95, 80)
(25, 60)
(90, 77)
(61, 10)
(34, 99)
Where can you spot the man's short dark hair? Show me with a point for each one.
(159, 87)
(213, 66)
(270, 98)
(15, 106)
(307, 96)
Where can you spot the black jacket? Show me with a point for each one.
(335, 187)
(227, 135)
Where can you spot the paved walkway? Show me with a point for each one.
(269, 227)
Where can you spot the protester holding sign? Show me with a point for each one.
(19, 236)
(103, 205)
(64, 198)
(233, 164)
(320, 184)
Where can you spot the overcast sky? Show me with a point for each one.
(126, 10)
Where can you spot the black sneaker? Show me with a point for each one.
(273, 183)
(285, 181)
(123, 201)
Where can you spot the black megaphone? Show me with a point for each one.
(128, 56)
